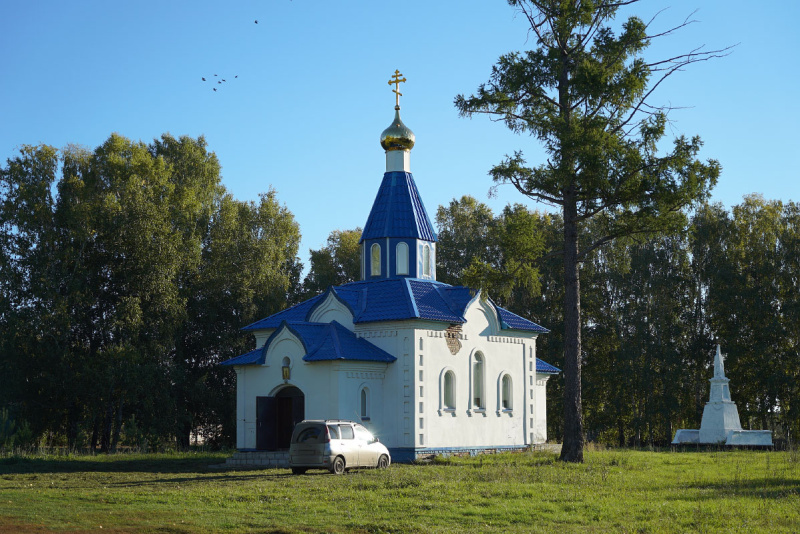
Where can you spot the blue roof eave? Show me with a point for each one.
(545, 368)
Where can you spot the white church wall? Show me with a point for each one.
(467, 425)
(396, 412)
(539, 428)
(405, 405)
(266, 380)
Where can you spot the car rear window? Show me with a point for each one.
(310, 434)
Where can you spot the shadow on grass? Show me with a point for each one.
(110, 464)
(767, 488)
(222, 477)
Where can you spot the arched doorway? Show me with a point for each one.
(276, 417)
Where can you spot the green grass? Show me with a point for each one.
(614, 491)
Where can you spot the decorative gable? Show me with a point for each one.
(284, 342)
(482, 317)
(332, 308)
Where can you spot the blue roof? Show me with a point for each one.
(513, 321)
(546, 368)
(322, 342)
(249, 357)
(434, 303)
(398, 299)
(398, 210)
(298, 312)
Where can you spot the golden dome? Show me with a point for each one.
(398, 136)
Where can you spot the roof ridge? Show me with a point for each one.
(412, 300)
(448, 301)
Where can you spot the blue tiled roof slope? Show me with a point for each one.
(298, 312)
(384, 300)
(546, 368)
(322, 342)
(513, 321)
(399, 299)
(398, 210)
(249, 357)
(339, 343)
(433, 304)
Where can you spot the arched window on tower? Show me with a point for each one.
(402, 257)
(375, 255)
(426, 260)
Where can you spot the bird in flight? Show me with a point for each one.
(256, 22)
(203, 79)
(215, 89)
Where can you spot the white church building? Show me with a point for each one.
(428, 367)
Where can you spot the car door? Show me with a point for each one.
(349, 446)
(367, 454)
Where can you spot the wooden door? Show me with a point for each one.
(266, 415)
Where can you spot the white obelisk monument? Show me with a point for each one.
(720, 424)
(720, 415)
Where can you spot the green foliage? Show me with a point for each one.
(122, 293)
(614, 491)
(337, 263)
(495, 254)
(7, 429)
(752, 288)
(583, 94)
(653, 311)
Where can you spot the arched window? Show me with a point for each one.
(402, 257)
(364, 404)
(375, 254)
(449, 390)
(506, 396)
(478, 400)
(426, 260)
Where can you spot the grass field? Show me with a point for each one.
(614, 491)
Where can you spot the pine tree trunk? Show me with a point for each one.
(95, 433)
(117, 427)
(105, 436)
(572, 447)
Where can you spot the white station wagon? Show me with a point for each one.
(335, 445)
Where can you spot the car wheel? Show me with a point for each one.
(383, 462)
(338, 466)
(298, 470)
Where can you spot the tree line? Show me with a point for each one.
(128, 270)
(125, 274)
(653, 311)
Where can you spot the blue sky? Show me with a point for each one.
(306, 95)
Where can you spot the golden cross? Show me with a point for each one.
(397, 81)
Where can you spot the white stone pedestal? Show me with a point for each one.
(720, 422)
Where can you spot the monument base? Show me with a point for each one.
(733, 438)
